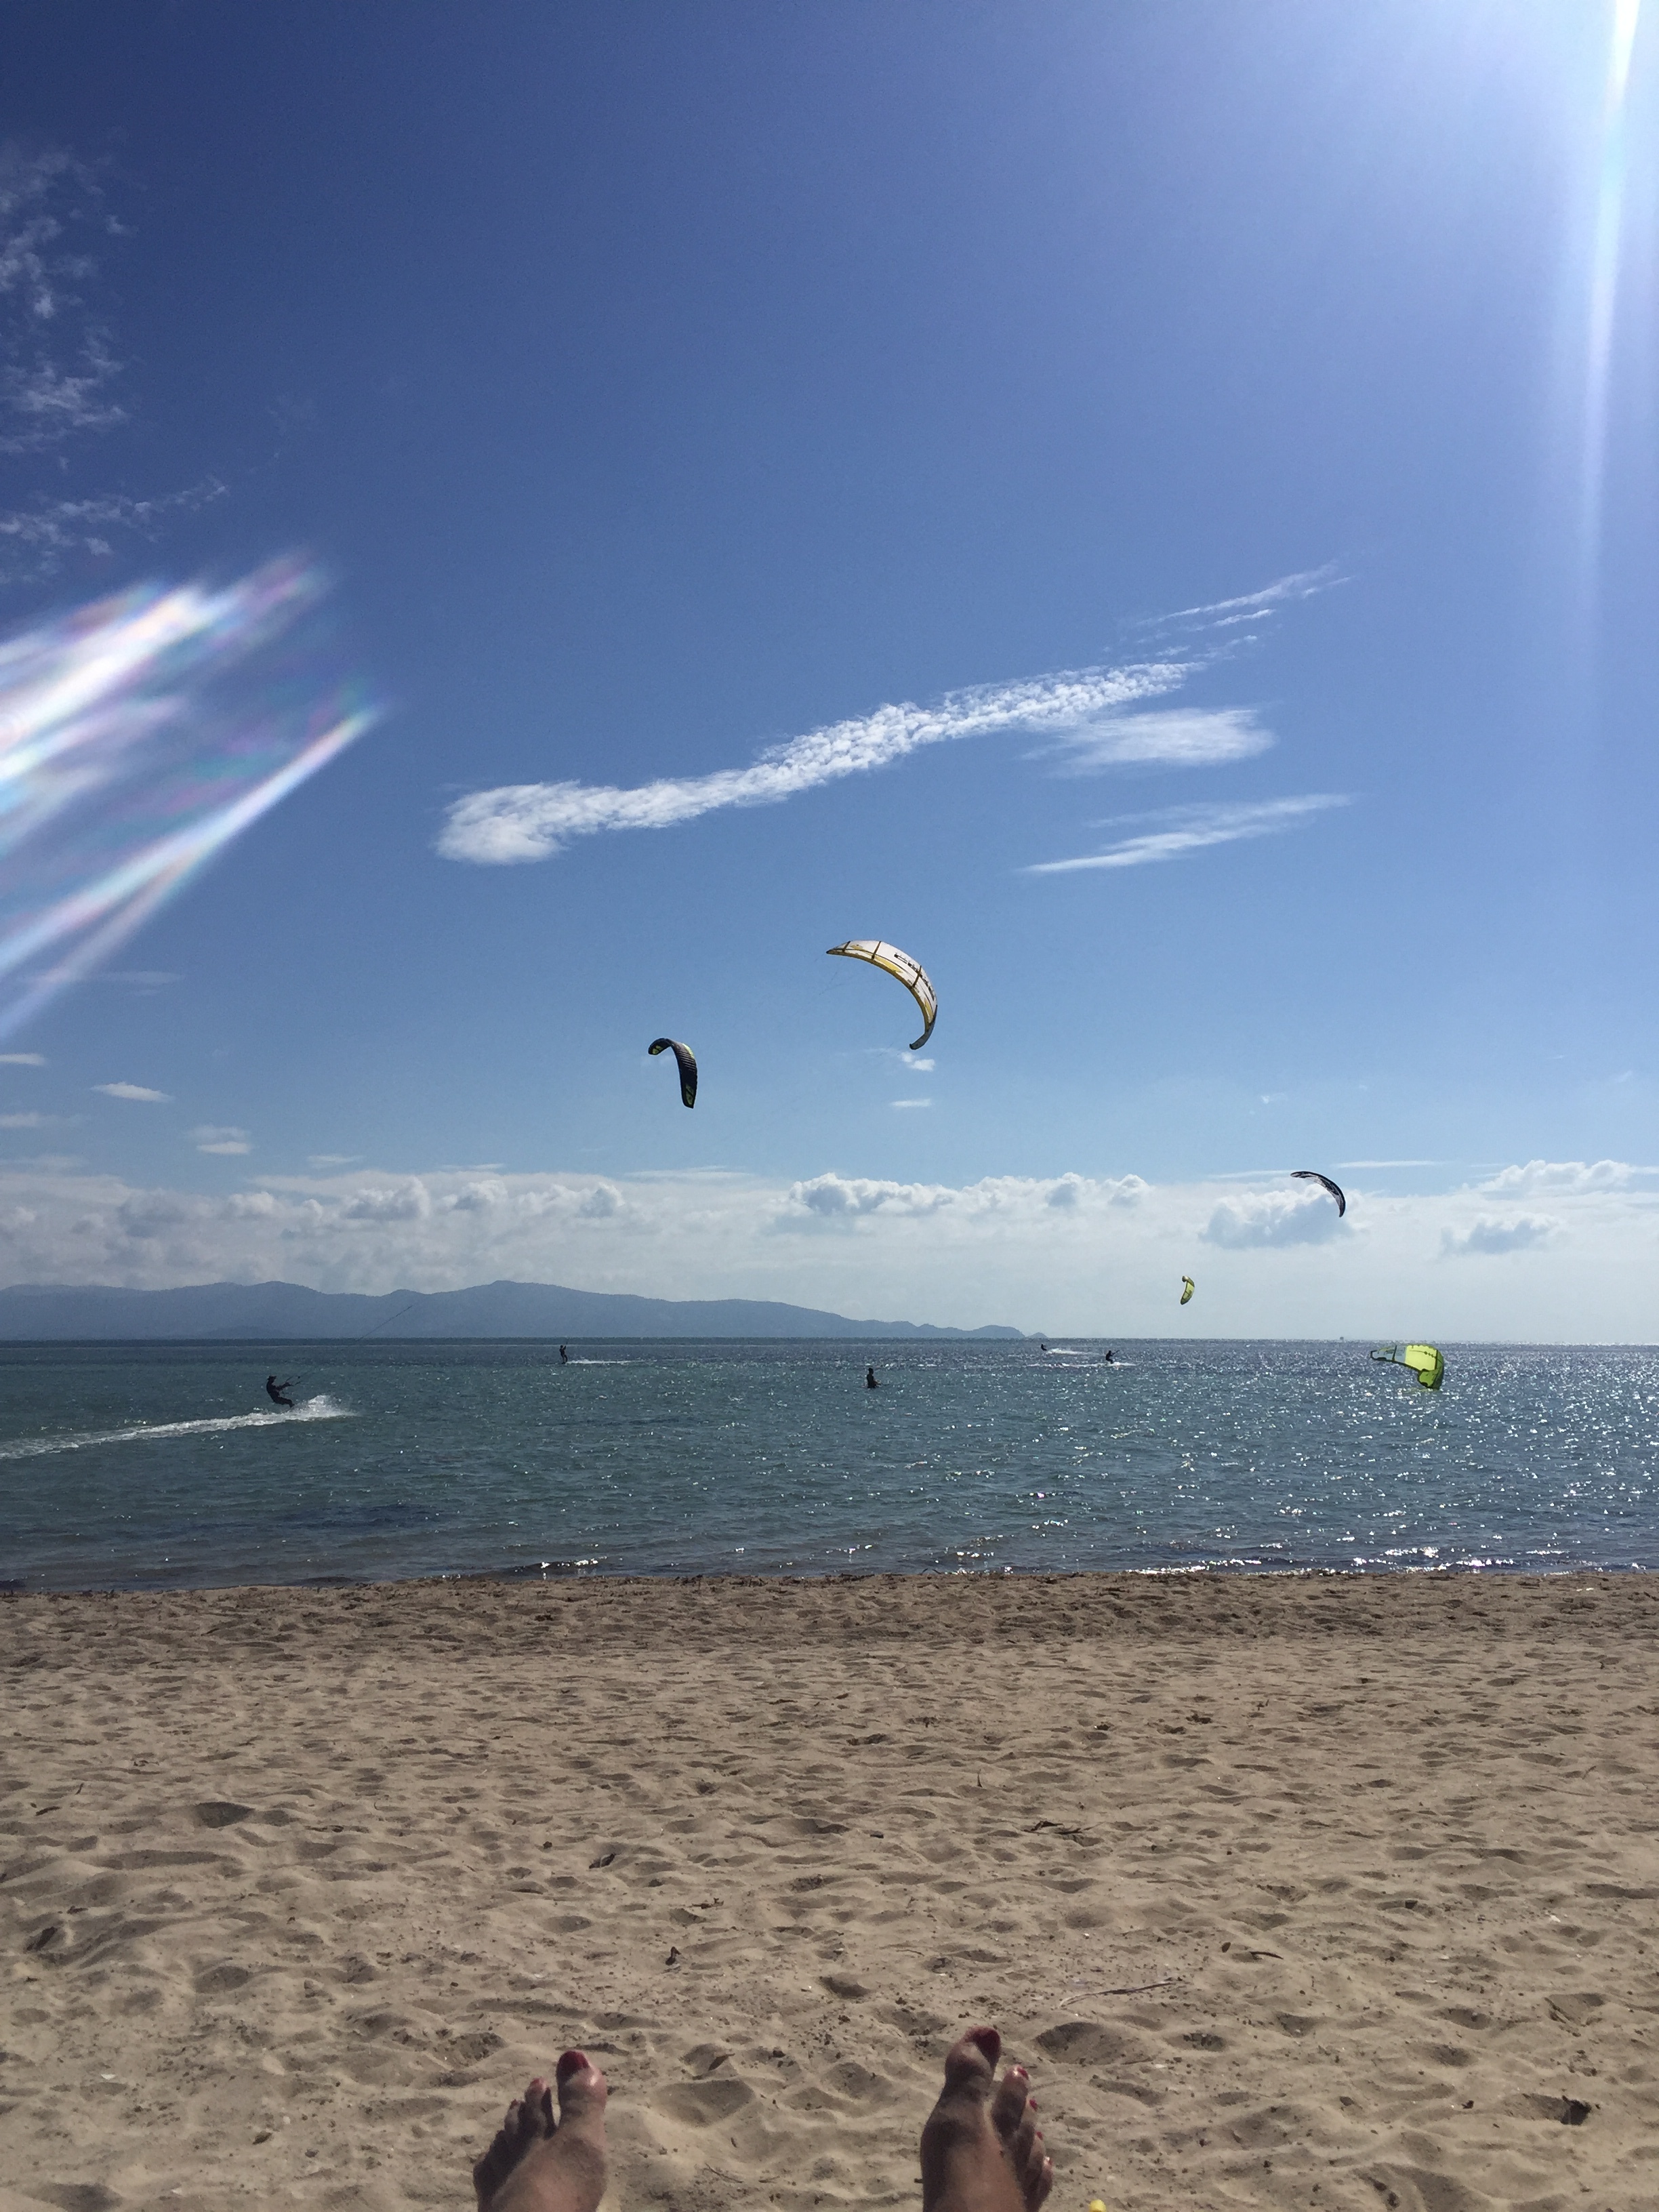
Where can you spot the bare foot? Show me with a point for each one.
(981, 2150)
(538, 2164)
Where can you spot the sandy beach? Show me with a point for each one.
(1333, 1893)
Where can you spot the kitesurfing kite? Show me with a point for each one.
(1312, 1174)
(910, 972)
(1187, 1286)
(686, 1060)
(1424, 1361)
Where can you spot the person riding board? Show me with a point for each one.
(274, 1391)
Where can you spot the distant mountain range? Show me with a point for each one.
(33, 1312)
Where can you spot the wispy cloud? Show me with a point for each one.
(903, 1102)
(26, 1121)
(533, 821)
(1194, 828)
(208, 1137)
(1084, 716)
(136, 1091)
(1170, 737)
(1254, 606)
(57, 367)
(36, 541)
(22, 1060)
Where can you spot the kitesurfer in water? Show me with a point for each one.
(1109, 1356)
(274, 1390)
(870, 1381)
(564, 1356)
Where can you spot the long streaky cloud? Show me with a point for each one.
(533, 821)
(1194, 828)
(1250, 606)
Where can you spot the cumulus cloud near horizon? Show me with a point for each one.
(1576, 1176)
(1261, 1218)
(1524, 1232)
(1077, 1254)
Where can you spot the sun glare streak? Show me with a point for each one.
(138, 736)
(1604, 284)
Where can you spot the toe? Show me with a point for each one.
(536, 2113)
(970, 2062)
(1008, 2105)
(582, 2088)
(1026, 2144)
(1039, 2181)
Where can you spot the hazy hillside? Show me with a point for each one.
(274, 1311)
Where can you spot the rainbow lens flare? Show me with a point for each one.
(1604, 274)
(138, 736)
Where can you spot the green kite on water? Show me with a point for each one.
(1424, 1361)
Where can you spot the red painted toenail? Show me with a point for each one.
(571, 2061)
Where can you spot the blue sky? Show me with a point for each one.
(652, 390)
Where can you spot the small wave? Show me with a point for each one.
(596, 1363)
(320, 1408)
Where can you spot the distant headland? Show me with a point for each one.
(38, 1312)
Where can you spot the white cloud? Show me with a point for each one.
(1266, 1217)
(1171, 737)
(22, 1060)
(533, 821)
(846, 1199)
(1082, 712)
(910, 1102)
(208, 1137)
(1082, 1255)
(134, 1091)
(1194, 828)
(1523, 1233)
(332, 1159)
(26, 1121)
(1578, 1176)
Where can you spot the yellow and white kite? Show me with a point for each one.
(910, 972)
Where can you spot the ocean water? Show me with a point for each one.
(164, 1465)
